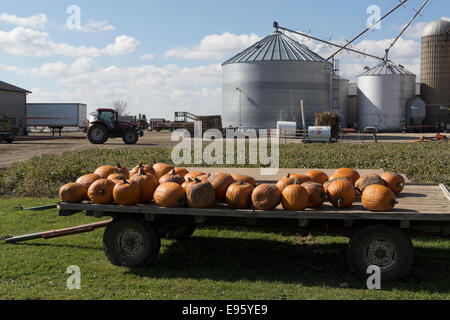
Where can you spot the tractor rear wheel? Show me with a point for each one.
(97, 134)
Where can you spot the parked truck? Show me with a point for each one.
(56, 116)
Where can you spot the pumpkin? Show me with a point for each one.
(378, 198)
(394, 181)
(266, 196)
(285, 181)
(294, 197)
(352, 174)
(193, 174)
(147, 185)
(239, 195)
(116, 177)
(318, 176)
(161, 169)
(316, 194)
(104, 171)
(73, 192)
(244, 178)
(204, 176)
(122, 170)
(87, 180)
(341, 193)
(126, 193)
(171, 177)
(326, 184)
(200, 194)
(170, 194)
(181, 171)
(186, 183)
(148, 169)
(101, 191)
(366, 181)
(302, 178)
(220, 182)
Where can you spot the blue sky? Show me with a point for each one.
(165, 56)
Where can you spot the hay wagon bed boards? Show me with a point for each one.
(132, 239)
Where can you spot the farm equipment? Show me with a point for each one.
(107, 125)
(187, 121)
(132, 239)
(6, 130)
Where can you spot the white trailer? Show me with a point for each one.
(56, 116)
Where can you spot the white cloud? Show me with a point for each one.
(215, 47)
(36, 21)
(153, 90)
(147, 56)
(29, 42)
(122, 45)
(96, 26)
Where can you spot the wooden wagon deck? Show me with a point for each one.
(417, 202)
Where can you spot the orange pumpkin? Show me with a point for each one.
(73, 192)
(148, 169)
(366, 181)
(285, 181)
(147, 185)
(116, 177)
(126, 193)
(341, 175)
(294, 197)
(326, 184)
(266, 196)
(170, 194)
(193, 174)
(181, 171)
(247, 179)
(394, 181)
(104, 171)
(161, 169)
(318, 176)
(101, 191)
(302, 178)
(171, 177)
(186, 183)
(352, 174)
(87, 180)
(122, 170)
(316, 194)
(200, 194)
(220, 182)
(341, 193)
(239, 195)
(378, 198)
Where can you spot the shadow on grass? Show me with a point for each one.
(306, 263)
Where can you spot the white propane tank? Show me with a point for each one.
(286, 129)
(319, 134)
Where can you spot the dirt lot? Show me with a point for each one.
(23, 150)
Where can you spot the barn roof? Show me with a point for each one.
(9, 87)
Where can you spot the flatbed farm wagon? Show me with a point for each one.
(132, 239)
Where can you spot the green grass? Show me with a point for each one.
(216, 263)
(43, 176)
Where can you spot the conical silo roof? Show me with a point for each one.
(276, 47)
(386, 68)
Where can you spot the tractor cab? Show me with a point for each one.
(106, 124)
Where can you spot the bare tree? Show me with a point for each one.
(121, 106)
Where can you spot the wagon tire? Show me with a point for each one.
(180, 233)
(383, 245)
(129, 242)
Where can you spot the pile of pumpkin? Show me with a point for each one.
(177, 187)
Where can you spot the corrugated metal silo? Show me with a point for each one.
(340, 100)
(417, 111)
(384, 94)
(435, 71)
(264, 84)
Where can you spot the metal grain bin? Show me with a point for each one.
(384, 94)
(417, 111)
(435, 71)
(265, 83)
(340, 100)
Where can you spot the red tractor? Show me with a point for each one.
(107, 125)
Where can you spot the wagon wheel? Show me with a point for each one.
(384, 246)
(129, 242)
